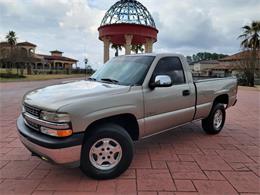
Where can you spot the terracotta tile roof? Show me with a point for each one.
(222, 66)
(26, 44)
(204, 62)
(56, 51)
(62, 58)
(208, 62)
(240, 56)
(4, 44)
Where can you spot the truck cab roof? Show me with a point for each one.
(158, 54)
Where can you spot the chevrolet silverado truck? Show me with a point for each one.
(93, 123)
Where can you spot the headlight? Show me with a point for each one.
(55, 117)
(52, 130)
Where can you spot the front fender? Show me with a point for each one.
(109, 112)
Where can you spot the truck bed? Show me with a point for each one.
(197, 79)
(208, 88)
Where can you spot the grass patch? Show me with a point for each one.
(11, 76)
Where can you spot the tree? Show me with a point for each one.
(206, 56)
(11, 39)
(117, 48)
(89, 70)
(195, 58)
(251, 42)
(137, 48)
(189, 59)
(17, 57)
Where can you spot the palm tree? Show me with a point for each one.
(117, 48)
(11, 39)
(137, 48)
(251, 42)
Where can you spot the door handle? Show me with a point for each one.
(186, 92)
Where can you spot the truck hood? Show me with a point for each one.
(55, 96)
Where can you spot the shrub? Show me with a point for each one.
(10, 75)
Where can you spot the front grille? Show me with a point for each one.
(32, 110)
(32, 125)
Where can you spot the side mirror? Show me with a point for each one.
(161, 81)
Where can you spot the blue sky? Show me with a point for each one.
(187, 26)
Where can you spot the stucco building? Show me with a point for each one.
(232, 65)
(203, 67)
(24, 56)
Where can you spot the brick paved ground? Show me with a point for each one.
(182, 161)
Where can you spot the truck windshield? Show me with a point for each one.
(124, 70)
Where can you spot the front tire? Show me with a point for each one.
(107, 152)
(214, 123)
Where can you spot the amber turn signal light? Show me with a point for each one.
(64, 133)
(56, 133)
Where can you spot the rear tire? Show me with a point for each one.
(214, 123)
(107, 152)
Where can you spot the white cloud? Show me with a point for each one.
(190, 26)
(185, 26)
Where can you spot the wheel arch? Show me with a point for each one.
(127, 121)
(224, 99)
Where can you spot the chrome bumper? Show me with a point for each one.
(64, 151)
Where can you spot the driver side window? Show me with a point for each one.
(172, 67)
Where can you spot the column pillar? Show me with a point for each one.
(106, 42)
(146, 47)
(68, 68)
(128, 43)
(149, 45)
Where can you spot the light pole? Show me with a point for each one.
(86, 64)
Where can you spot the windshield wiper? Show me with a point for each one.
(110, 80)
(92, 79)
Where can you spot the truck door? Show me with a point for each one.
(169, 106)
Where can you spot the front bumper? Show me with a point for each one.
(65, 151)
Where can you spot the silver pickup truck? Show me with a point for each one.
(93, 123)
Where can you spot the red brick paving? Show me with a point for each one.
(243, 181)
(211, 162)
(214, 187)
(184, 185)
(214, 175)
(184, 161)
(155, 180)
